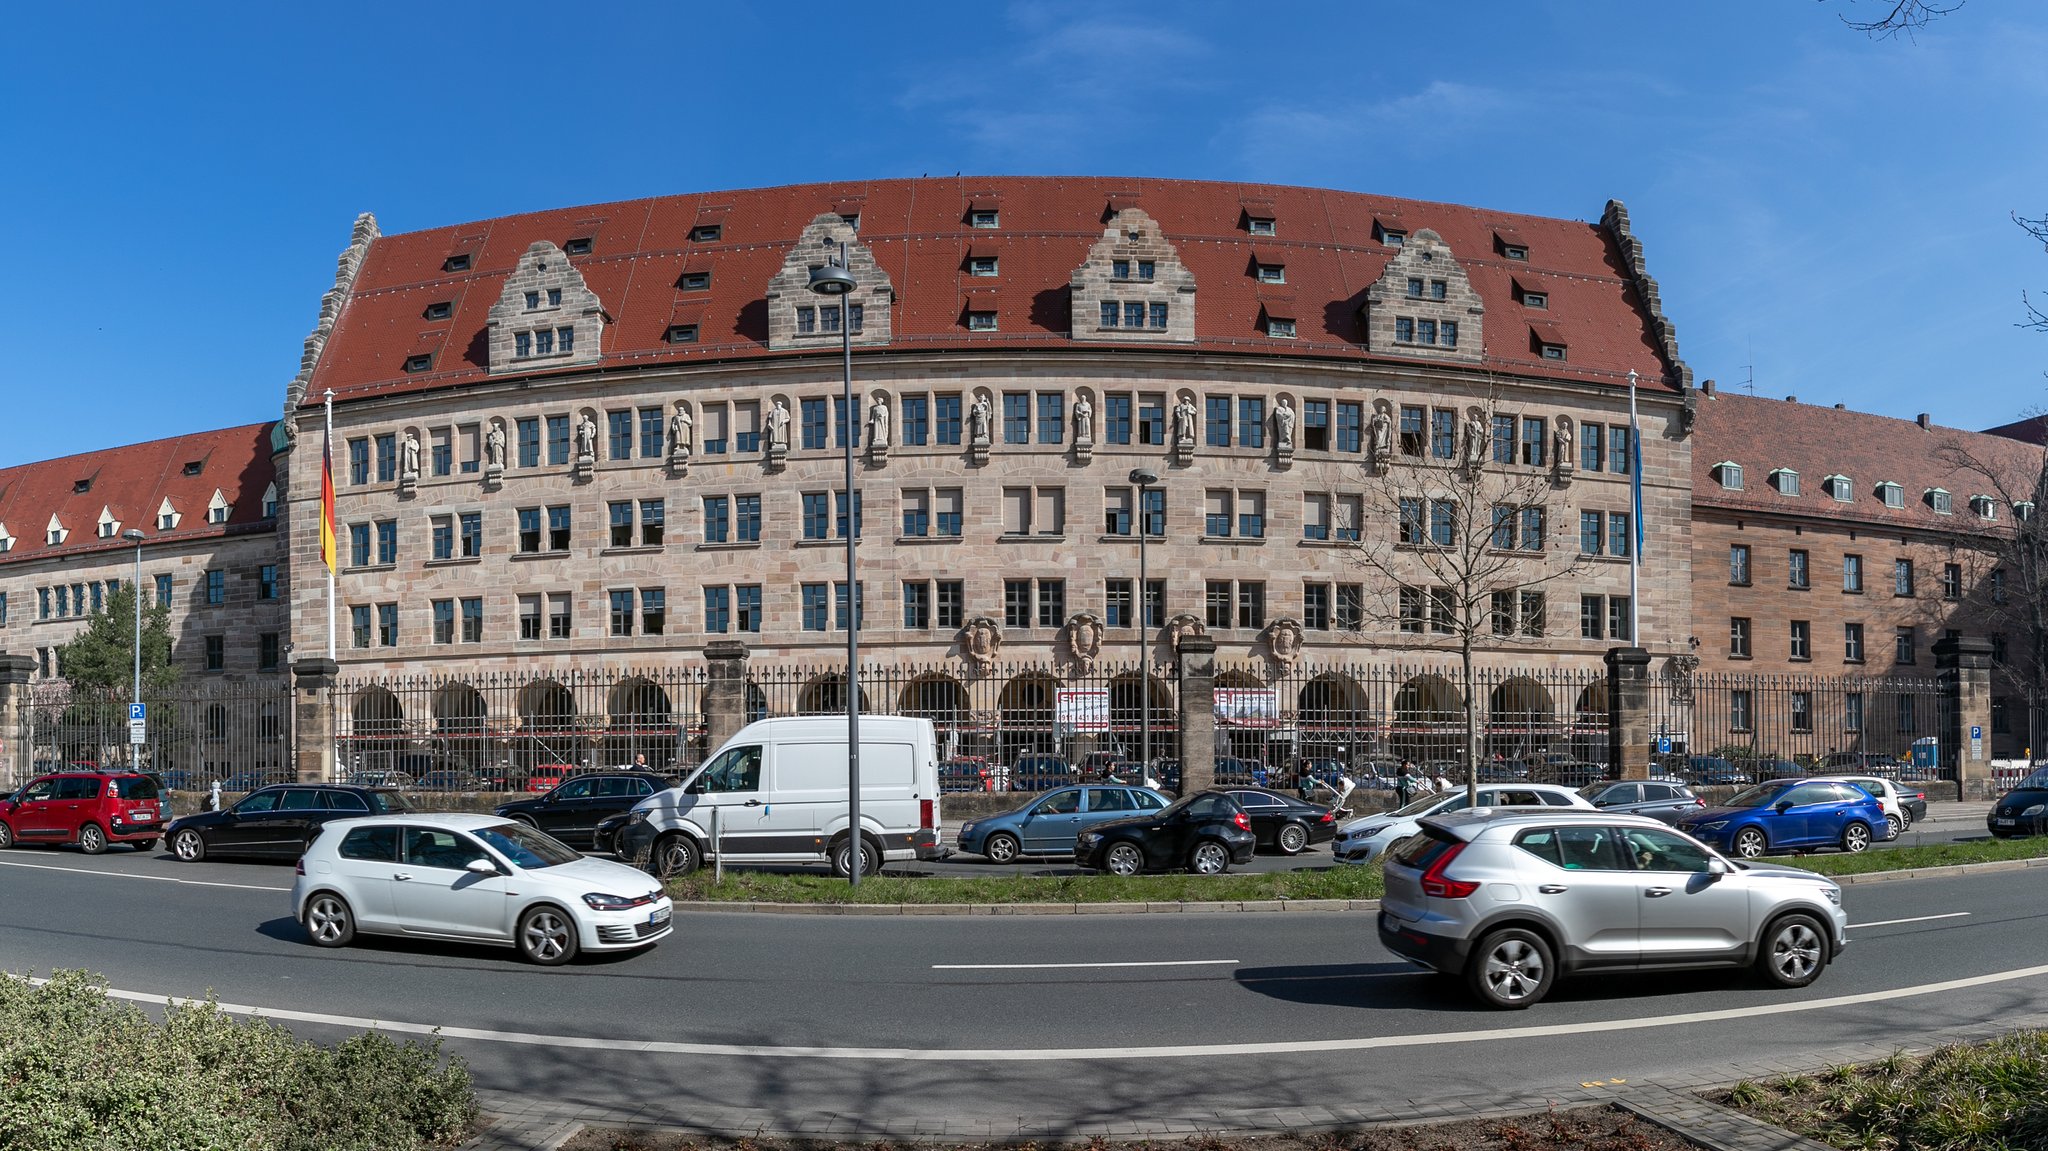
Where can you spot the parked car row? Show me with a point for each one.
(1056, 823)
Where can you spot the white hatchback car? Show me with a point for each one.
(1896, 817)
(1364, 840)
(475, 879)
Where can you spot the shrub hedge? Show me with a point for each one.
(82, 1070)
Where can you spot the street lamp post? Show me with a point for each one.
(1144, 480)
(836, 281)
(134, 536)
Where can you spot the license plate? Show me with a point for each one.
(660, 915)
(2002, 822)
(143, 814)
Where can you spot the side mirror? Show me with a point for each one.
(1716, 868)
(481, 867)
(1784, 805)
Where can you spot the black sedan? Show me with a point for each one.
(1283, 822)
(1657, 798)
(2023, 810)
(276, 822)
(572, 810)
(1205, 833)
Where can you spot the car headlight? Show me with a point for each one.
(1833, 893)
(1085, 838)
(2034, 810)
(601, 902)
(1714, 826)
(633, 817)
(967, 828)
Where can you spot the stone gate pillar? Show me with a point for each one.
(1964, 665)
(1197, 718)
(313, 706)
(16, 756)
(1628, 713)
(725, 690)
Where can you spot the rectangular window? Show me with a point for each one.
(712, 431)
(443, 538)
(716, 519)
(387, 625)
(1112, 314)
(1902, 578)
(529, 618)
(1425, 331)
(1251, 604)
(1251, 422)
(1801, 639)
(1216, 603)
(1619, 625)
(441, 451)
(266, 584)
(948, 513)
(1216, 520)
(621, 513)
(1503, 439)
(653, 522)
(559, 626)
(1852, 711)
(1116, 419)
(747, 517)
(917, 605)
(1017, 603)
(216, 588)
(619, 435)
(1533, 440)
(1591, 536)
(815, 605)
(1738, 637)
(1251, 515)
(472, 620)
(1016, 417)
(1315, 607)
(1533, 529)
(1156, 315)
(387, 458)
(717, 610)
(1052, 602)
(1443, 523)
(558, 439)
(951, 602)
(529, 441)
(163, 593)
(1535, 613)
(653, 611)
(811, 415)
(1152, 419)
(216, 652)
(1413, 436)
(1501, 613)
(1134, 314)
(1902, 645)
(1351, 606)
(1796, 571)
(529, 530)
(946, 414)
(1503, 527)
(1852, 574)
(1852, 642)
(1443, 613)
(1052, 417)
(1347, 518)
(1411, 520)
(1591, 616)
(653, 434)
(1315, 425)
(1620, 460)
(387, 541)
(1739, 710)
(817, 515)
(1738, 564)
(1802, 711)
(1216, 421)
(359, 461)
(749, 597)
(839, 498)
(1447, 334)
(840, 428)
(1117, 602)
(1951, 581)
(558, 527)
(358, 545)
(359, 624)
(860, 604)
(1443, 433)
(1908, 717)
(1315, 517)
(1413, 614)
(444, 621)
(916, 513)
(1620, 539)
(1591, 454)
(1404, 330)
(916, 421)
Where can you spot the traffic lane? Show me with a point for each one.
(891, 980)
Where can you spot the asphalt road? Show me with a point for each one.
(1080, 1020)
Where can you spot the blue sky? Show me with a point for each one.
(1827, 214)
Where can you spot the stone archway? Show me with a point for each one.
(1334, 720)
(548, 728)
(938, 697)
(1429, 726)
(461, 727)
(640, 721)
(826, 695)
(1024, 716)
(1519, 724)
(376, 731)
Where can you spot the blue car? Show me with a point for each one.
(1047, 825)
(1789, 813)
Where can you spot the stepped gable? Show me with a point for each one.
(417, 309)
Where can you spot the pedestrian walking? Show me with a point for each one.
(1404, 784)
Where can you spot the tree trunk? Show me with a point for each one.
(1471, 723)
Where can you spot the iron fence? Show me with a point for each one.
(194, 733)
(1860, 722)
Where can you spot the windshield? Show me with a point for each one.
(386, 802)
(2037, 780)
(526, 847)
(1420, 806)
(1756, 796)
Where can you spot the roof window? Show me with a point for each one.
(2022, 510)
(1536, 300)
(981, 266)
(1785, 480)
(84, 485)
(1729, 474)
(682, 334)
(1838, 488)
(981, 321)
(1391, 237)
(194, 467)
(1272, 273)
(982, 218)
(1514, 251)
(1279, 329)
(695, 282)
(1259, 225)
(580, 246)
(707, 233)
(419, 363)
(1551, 351)
(1984, 506)
(1940, 501)
(852, 219)
(439, 310)
(459, 262)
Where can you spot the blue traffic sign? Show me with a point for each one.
(1664, 745)
(1976, 732)
(138, 711)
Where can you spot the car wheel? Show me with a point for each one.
(188, 845)
(1292, 839)
(91, 840)
(329, 921)
(1750, 843)
(1905, 819)
(1792, 951)
(1511, 968)
(1855, 837)
(547, 936)
(1209, 858)
(675, 855)
(1001, 848)
(1893, 827)
(6, 837)
(1123, 859)
(842, 856)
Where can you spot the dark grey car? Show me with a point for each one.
(1661, 800)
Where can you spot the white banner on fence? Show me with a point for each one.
(1076, 710)
(1247, 706)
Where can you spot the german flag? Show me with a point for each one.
(327, 501)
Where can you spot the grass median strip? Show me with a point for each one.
(1927, 855)
(775, 887)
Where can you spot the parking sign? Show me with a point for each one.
(138, 711)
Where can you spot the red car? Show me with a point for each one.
(88, 808)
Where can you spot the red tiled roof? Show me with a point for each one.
(918, 231)
(132, 483)
(1817, 442)
(2032, 430)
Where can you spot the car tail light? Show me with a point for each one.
(927, 813)
(1434, 883)
(1243, 821)
(299, 867)
(1328, 817)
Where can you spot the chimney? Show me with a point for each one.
(1708, 388)
(1921, 419)
(1791, 399)
(1841, 407)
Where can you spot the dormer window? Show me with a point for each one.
(852, 219)
(695, 282)
(166, 516)
(6, 540)
(1391, 237)
(81, 486)
(270, 501)
(458, 262)
(2022, 510)
(1514, 252)
(1260, 225)
(982, 218)
(217, 508)
(108, 525)
(1729, 474)
(1892, 494)
(1551, 351)
(1272, 273)
(1984, 507)
(54, 532)
(981, 266)
(1535, 299)
(706, 233)
(981, 321)
(439, 310)
(580, 246)
(1838, 488)
(1939, 500)
(1785, 480)
(682, 334)
(1279, 329)
(419, 363)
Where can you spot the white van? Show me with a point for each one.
(779, 788)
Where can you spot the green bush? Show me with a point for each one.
(85, 1071)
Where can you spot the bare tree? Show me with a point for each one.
(1460, 536)
(2009, 555)
(2036, 320)
(1905, 18)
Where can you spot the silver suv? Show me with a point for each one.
(1511, 900)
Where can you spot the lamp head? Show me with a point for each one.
(1143, 478)
(133, 535)
(832, 280)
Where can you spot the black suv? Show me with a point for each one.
(572, 809)
(276, 822)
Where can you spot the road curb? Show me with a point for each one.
(1951, 869)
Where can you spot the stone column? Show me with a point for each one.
(1628, 713)
(313, 718)
(1964, 665)
(725, 690)
(16, 756)
(1197, 719)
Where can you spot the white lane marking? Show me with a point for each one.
(128, 875)
(1915, 919)
(1067, 1054)
(1066, 966)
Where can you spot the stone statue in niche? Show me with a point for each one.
(1382, 437)
(1184, 419)
(1084, 419)
(1561, 445)
(494, 446)
(586, 438)
(978, 420)
(1477, 439)
(1283, 425)
(682, 434)
(878, 423)
(1084, 644)
(979, 642)
(778, 426)
(409, 458)
(1284, 641)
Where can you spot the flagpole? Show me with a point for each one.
(327, 465)
(1635, 554)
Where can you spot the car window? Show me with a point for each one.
(299, 799)
(1420, 806)
(1251, 799)
(1147, 801)
(1541, 842)
(1807, 793)
(1554, 798)
(581, 789)
(1457, 803)
(1059, 803)
(527, 847)
(1874, 786)
(258, 802)
(1654, 850)
(2038, 779)
(1652, 792)
(1109, 799)
(1756, 796)
(389, 802)
(373, 843)
(136, 787)
(735, 769)
(80, 787)
(1587, 849)
(1851, 793)
(40, 789)
(1619, 793)
(342, 801)
(439, 847)
(1211, 807)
